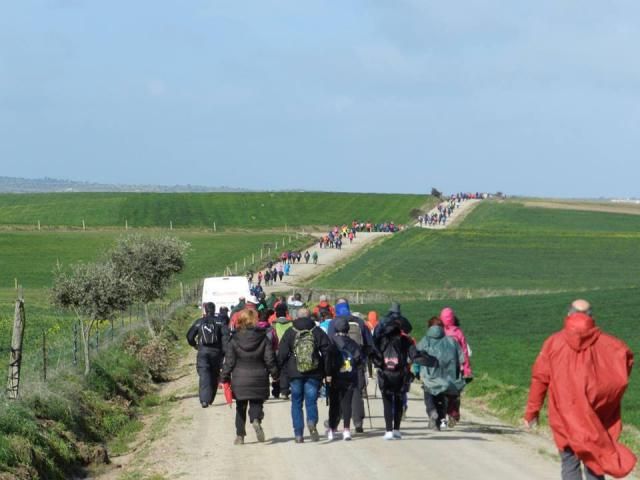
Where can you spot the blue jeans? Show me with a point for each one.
(308, 389)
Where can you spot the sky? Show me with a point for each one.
(528, 98)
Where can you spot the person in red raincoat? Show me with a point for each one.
(585, 372)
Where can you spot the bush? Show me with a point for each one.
(156, 357)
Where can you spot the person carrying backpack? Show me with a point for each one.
(307, 255)
(305, 354)
(250, 360)
(442, 379)
(449, 321)
(210, 336)
(315, 258)
(392, 354)
(324, 306)
(281, 324)
(344, 378)
(360, 334)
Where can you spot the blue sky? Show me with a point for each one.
(535, 98)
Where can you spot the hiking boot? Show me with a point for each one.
(346, 434)
(330, 435)
(359, 429)
(259, 431)
(452, 422)
(313, 431)
(397, 435)
(388, 436)
(300, 439)
(239, 440)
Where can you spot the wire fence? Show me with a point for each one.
(49, 352)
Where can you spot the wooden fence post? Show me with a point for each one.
(44, 355)
(84, 227)
(75, 343)
(15, 358)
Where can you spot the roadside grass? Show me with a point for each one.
(506, 334)
(57, 429)
(228, 210)
(486, 259)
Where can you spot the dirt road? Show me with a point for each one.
(197, 443)
(457, 216)
(327, 257)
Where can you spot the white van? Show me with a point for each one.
(224, 291)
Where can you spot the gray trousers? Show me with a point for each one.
(357, 402)
(572, 468)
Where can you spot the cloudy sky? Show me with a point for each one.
(535, 98)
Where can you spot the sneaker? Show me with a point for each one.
(330, 435)
(204, 404)
(259, 431)
(346, 434)
(300, 439)
(397, 435)
(443, 424)
(359, 429)
(452, 422)
(388, 436)
(313, 431)
(239, 440)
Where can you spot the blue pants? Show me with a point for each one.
(304, 389)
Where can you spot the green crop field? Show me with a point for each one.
(31, 258)
(558, 252)
(506, 334)
(228, 210)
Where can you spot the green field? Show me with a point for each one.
(32, 256)
(506, 334)
(228, 210)
(558, 252)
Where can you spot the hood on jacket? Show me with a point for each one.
(580, 331)
(448, 317)
(342, 309)
(249, 339)
(341, 324)
(304, 323)
(435, 331)
(395, 308)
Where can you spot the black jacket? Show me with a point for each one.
(287, 360)
(248, 363)
(405, 324)
(193, 335)
(346, 344)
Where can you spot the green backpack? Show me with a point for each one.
(304, 349)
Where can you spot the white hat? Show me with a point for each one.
(323, 298)
(252, 299)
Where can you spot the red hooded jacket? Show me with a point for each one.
(586, 373)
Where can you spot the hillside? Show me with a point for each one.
(503, 246)
(228, 210)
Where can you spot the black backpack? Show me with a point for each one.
(209, 333)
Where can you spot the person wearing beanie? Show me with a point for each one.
(585, 373)
(359, 333)
(344, 378)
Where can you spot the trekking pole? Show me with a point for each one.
(368, 407)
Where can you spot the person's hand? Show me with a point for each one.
(327, 379)
(529, 424)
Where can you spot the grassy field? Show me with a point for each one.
(503, 246)
(228, 210)
(506, 334)
(32, 256)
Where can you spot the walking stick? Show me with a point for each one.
(368, 408)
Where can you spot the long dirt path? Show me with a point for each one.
(197, 443)
(327, 258)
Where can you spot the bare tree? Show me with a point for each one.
(436, 193)
(93, 292)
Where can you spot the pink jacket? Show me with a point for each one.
(448, 319)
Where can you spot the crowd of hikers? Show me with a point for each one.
(441, 214)
(328, 351)
(337, 235)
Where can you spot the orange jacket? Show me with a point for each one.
(586, 373)
(332, 311)
(372, 320)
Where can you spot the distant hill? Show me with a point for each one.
(50, 185)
